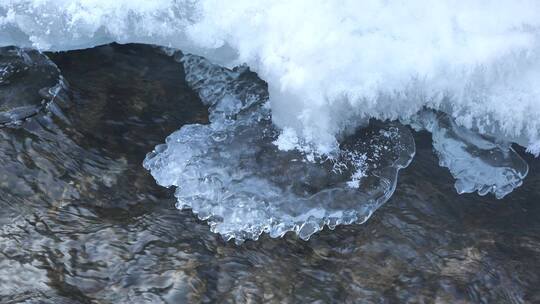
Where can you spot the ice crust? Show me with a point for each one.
(231, 173)
(478, 163)
(331, 67)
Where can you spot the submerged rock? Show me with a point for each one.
(29, 83)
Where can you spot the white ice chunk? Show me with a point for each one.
(478, 163)
(232, 174)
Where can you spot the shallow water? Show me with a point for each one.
(81, 221)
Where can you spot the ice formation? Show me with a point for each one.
(231, 173)
(478, 163)
(29, 83)
(329, 68)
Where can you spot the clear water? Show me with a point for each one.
(81, 221)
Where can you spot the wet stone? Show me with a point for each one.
(29, 81)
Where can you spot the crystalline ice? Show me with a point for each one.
(231, 173)
(29, 81)
(478, 163)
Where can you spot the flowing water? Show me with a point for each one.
(81, 220)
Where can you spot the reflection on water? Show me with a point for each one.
(81, 221)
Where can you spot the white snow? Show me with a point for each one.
(331, 65)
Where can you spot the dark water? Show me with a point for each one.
(82, 222)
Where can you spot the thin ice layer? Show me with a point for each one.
(478, 163)
(29, 82)
(231, 173)
(331, 67)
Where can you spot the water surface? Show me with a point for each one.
(81, 221)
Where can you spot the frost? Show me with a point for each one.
(231, 173)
